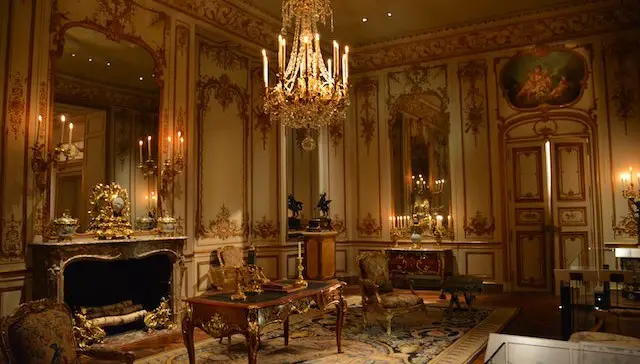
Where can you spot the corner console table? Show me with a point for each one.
(427, 268)
(320, 255)
(50, 259)
(220, 316)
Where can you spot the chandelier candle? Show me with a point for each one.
(149, 146)
(140, 142)
(62, 119)
(70, 133)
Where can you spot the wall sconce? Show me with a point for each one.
(148, 166)
(173, 166)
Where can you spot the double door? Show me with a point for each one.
(551, 218)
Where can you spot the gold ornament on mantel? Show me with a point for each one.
(110, 211)
(309, 93)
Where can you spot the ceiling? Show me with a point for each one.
(408, 17)
(91, 56)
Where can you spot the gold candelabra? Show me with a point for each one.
(41, 160)
(238, 294)
(148, 167)
(300, 282)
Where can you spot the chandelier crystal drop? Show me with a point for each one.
(309, 92)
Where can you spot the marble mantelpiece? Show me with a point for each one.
(51, 258)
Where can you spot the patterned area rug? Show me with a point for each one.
(442, 336)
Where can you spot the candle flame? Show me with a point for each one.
(70, 126)
(169, 139)
(149, 138)
(63, 118)
(140, 142)
(179, 134)
(39, 117)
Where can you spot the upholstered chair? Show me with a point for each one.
(223, 273)
(41, 332)
(378, 295)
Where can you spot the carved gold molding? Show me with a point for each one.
(338, 224)
(222, 227)
(473, 74)
(224, 55)
(537, 28)
(265, 229)
(224, 91)
(369, 226)
(624, 54)
(12, 240)
(367, 89)
(479, 225)
(16, 104)
(336, 133)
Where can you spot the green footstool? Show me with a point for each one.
(469, 286)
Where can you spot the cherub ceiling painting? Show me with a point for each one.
(538, 78)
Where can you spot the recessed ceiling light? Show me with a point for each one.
(90, 59)
(389, 14)
(141, 78)
(108, 63)
(73, 54)
(364, 20)
(153, 75)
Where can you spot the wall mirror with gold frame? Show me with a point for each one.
(302, 174)
(419, 141)
(104, 124)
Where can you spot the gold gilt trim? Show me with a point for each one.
(224, 91)
(368, 113)
(338, 224)
(336, 133)
(536, 28)
(624, 94)
(265, 229)
(369, 226)
(473, 73)
(12, 242)
(627, 227)
(222, 227)
(224, 55)
(479, 225)
(16, 104)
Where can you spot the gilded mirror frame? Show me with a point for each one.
(44, 222)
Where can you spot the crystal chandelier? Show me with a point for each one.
(308, 93)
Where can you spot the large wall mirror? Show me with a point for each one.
(302, 177)
(420, 163)
(106, 107)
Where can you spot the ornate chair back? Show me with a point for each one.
(374, 267)
(231, 257)
(39, 332)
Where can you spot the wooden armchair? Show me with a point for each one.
(378, 295)
(41, 332)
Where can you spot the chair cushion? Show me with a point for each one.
(399, 300)
(43, 338)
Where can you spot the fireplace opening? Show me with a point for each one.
(117, 292)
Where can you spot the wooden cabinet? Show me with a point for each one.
(427, 268)
(319, 255)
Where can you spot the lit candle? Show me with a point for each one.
(638, 178)
(149, 147)
(38, 128)
(147, 200)
(448, 220)
(62, 119)
(169, 149)
(306, 56)
(316, 57)
(439, 221)
(390, 222)
(265, 68)
(344, 74)
(336, 55)
(181, 145)
(299, 250)
(70, 133)
(280, 57)
(329, 69)
(346, 64)
(181, 140)
(140, 142)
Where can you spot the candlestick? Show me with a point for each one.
(280, 53)
(336, 55)
(449, 221)
(169, 149)
(62, 119)
(38, 128)
(346, 64)
(181, 145)
(317, 54)
(265, 68)
(149, 147)
(439, 221)
(70, 133)
(140, 142)
(299, 250)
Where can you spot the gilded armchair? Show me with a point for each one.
(41, 332)
(378, 295)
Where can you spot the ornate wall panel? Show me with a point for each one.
(528, 174)
(223, 109)
(265, 169)
(15, 114)
(337, 179)
(481, 264)
(477, 174)
(573, 249)
(620, 57)
(532, 262)
(570, 173)
(369, 214)
(572, 216)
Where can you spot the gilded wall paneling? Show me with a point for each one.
(570, 172)
(223, 122)
(369, 213)
(476, 152)
(540, 27)
(528, 174)
(20, 91)
(574, 249)
(337, 178)
(620, 56)
(532, 259)
(480, 264)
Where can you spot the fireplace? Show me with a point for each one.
(116, 280)
(140, 283)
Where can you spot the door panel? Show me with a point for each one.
(530, 248)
